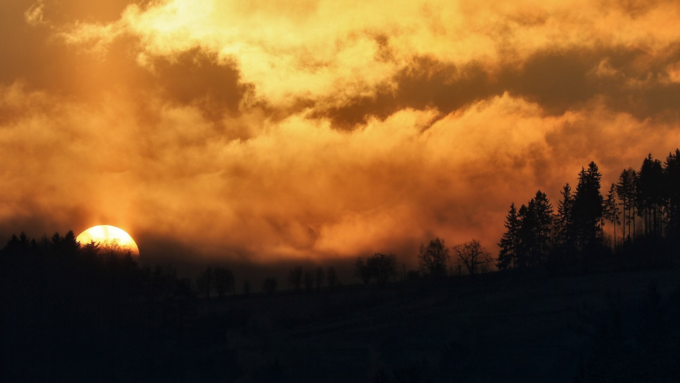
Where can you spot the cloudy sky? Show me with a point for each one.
(260, 130)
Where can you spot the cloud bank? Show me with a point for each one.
(263, 131)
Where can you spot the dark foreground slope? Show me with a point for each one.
(93, 324)
(615, 327)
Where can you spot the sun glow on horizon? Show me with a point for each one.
(106, 235)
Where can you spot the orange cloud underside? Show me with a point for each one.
(262, 130)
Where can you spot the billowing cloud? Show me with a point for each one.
(260, 131)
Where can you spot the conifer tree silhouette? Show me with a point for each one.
(509, 244)
(588, 207)
(611, 209)
(649, 197)
(625, 189)
(534, 231)
(564, 225)
(672, 183)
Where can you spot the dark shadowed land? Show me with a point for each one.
(497, 329)
(109, 320)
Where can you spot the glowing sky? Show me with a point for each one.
(266, 129)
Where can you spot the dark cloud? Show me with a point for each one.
(635, 8)
(425, 83)
(198, 78)
(557, 81)
(627, 79)
(36, 57)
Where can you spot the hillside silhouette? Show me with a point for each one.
(585, 290)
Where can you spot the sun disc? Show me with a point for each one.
(106, 235)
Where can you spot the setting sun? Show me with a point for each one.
(106, 235)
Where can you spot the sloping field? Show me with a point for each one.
(481, 330)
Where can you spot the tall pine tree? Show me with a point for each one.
(649, 195)
(542, 212)
(535, 231)
(672, 182)
(611, 209)
(625, 189)
(588, 207)
(509, 244)
(564, 222)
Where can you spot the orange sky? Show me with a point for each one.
(267, 130)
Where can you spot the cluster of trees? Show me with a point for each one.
(218, 279)
(652, 194)
(221, 281)
(434, 259)
(642, 204)
(312, 279)
(379, 266)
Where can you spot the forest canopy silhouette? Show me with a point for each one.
(642, 205)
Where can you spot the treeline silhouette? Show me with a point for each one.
(84, 313)
(221, 281)
(379, 268)
(643, 208)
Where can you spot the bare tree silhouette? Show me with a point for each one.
(382, 267)
(362, 270)
(434, 258)
(473, 256)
